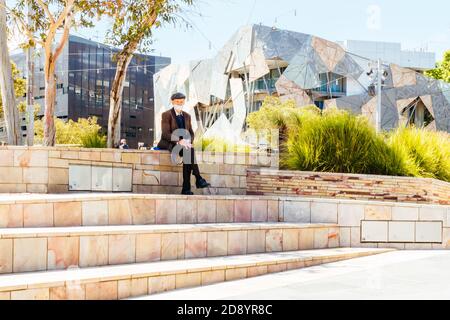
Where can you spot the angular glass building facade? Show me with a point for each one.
(260, 61)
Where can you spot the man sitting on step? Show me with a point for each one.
(177, 136)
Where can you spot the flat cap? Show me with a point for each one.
(177, 95)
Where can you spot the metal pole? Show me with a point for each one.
(379, 75)
(30, 83)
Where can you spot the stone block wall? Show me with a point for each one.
(351, 223)
(46, 170)
(263, 181)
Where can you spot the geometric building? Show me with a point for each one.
(259, 61)
(409, 97)
(391, 52)
(85, 72)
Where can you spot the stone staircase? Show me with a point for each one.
(105, 246)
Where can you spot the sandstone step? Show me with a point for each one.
(63, 210)
(124, 281)
(39, 249)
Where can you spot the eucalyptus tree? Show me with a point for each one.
(48, 27)
(8, 97)
(133, 26)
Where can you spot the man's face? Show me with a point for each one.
(124, 141)
(178, 102)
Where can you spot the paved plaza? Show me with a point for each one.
(393, 275)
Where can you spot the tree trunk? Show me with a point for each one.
(30, 84)
(50, 101)
(123, 60)
(7, 84)
(51, 57)
(30, 99)
(115, 101)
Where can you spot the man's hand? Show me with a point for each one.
(186, 144)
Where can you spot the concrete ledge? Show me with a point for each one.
(46, 170)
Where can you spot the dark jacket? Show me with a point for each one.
(169, 125)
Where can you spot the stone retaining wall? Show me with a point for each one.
(349, 186)
(46, 170)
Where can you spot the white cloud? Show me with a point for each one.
(373, 17)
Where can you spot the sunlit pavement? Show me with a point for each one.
(394, 275)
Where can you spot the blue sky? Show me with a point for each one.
(414, 23)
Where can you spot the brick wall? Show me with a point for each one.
(347, 186)
(46, 170)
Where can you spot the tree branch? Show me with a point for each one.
(63, 40)
(21, 25)
(46, 10)
(64, 13)
(63, 17)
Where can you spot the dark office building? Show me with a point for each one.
(91, 73)
(85, 72)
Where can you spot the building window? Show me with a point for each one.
(131, 132)
(331, 83)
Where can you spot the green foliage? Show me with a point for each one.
(340, 142)
(278, 115)
(442, 70)
(93, 141)
(85, 132)
(425, 153)
(20, 87)
(220, 145)
(135, 20)
(47, 13)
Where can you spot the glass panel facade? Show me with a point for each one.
(91, 73)
(267, 83)
(331, 83)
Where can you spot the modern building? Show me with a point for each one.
(391, 52)
(85, 72)
(259, 61)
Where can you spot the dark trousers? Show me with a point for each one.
(190, 167)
